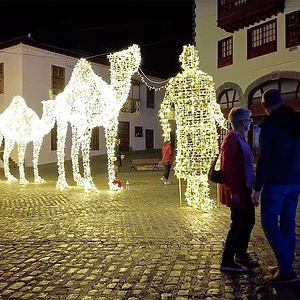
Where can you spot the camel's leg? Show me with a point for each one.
(76, 140)
(21, 155)
(85, 148)
(9, 145)
(110, 136)
(61, 140)
(36, 151)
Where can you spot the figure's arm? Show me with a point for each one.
(218, 115)
(164, 112)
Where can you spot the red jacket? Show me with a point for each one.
(232, 164)
(167, 153)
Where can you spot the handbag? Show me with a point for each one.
(216, 176)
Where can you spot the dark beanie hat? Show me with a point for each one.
(271, 97)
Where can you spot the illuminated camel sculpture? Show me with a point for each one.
(88, 101)
(21, 125)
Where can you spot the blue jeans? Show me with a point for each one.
(278, 213)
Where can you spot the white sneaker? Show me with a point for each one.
(163, 180)
(167, 182)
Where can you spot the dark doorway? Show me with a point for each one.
(149, 139)
(123, 134)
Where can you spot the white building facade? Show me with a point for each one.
(31, 70)
(249, 47)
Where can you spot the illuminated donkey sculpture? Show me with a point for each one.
(87, 102)
(21, 125)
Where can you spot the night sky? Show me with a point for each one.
(160, 28)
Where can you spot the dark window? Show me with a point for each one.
(292, 24)
(95, 139)
(58, 79)
(228, 99)
(138, 131)
(54, 137)
(1, 78)
(225, 52)
(262, 39)
(150, 98)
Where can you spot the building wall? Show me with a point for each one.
(147, 118)
(28, 74)
(12, 59)
(242, 72)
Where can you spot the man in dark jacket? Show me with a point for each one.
(118, 155)
(278, 177)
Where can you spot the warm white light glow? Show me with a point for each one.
(192, 95)
(21, 125)
(87, 102)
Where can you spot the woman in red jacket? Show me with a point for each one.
(235, 193)
(167, 154)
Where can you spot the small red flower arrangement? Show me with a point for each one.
(117, 182)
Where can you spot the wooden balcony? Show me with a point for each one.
(234, 15)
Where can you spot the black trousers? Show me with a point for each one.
(242, 222)
(167, 170)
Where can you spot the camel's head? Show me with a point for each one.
(49, 106)
(126, 61)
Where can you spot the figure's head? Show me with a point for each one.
(189, 58)
(240, 119)
(118, 141)
(271, 100)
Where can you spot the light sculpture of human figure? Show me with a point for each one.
(197, 116)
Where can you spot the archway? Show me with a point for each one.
(229, 95)
(287, 82)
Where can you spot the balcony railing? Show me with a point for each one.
(131, 106)
(234, 15)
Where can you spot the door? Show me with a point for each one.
(123, 134)
(149, 139)
(253, 135)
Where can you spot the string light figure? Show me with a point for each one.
(21, 125)
(88, 101)
(192, 95)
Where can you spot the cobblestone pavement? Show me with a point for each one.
(136, 244)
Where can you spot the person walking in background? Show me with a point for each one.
(167, 158)
(278, 177)
(235, 193)
(118, 155)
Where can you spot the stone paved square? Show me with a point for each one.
(136, 244)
